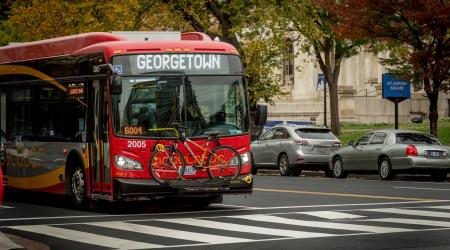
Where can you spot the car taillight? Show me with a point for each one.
(303, 142)
(338, 144)
(411, 150)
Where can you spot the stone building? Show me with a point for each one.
(360, 94)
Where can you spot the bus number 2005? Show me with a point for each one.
(136, 144)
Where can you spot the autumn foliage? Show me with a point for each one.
(421, 26)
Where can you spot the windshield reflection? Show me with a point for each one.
(200, 103)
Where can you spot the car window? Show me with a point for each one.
(286, 134)
(378, 138)
(416, 138)
(268, 135)
(365, 139)
(281, 133)
(315, 133)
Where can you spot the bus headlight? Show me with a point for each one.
(245, 158)
(127, 163)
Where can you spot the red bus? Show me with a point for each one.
(70, 127)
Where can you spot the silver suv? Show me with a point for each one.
(293, 148)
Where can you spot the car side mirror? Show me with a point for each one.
(351, 143)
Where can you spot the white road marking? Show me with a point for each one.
(321, 224)
(440, 207)
(246, 229)
(332, 215)
(3, 206)
(420, 188)
(413, 221)
(84, 237)
(6, 243)
(215, 211)
(171, 233)
(236, 206)
(411, 212)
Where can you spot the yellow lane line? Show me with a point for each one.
(341, 194)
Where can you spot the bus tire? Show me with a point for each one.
(78, 191)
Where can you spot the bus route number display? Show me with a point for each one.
(133, 130)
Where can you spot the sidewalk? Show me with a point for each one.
(10, 242)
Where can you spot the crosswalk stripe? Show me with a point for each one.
(83, 237)
(411, 212)
(413, 221)
(440, 207)
(321, 224)
(332, 215)
(245, 228)
(171, 233)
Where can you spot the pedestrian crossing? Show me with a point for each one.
(243, 227)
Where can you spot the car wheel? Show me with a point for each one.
(283, 165)
(385, 169)
(296, 171)
(338, 168)
(439, 176)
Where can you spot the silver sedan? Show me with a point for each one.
(390, 151)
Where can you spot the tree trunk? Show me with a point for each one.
(434, 115)
(334, 107)
(330, 67)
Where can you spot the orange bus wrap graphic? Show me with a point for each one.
(46, 180)
(17, 69)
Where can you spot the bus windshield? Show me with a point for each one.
(200, 103)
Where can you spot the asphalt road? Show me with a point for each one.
(282, 213)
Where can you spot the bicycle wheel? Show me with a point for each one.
(167, 164)
(224, 161)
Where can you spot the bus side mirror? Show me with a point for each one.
(261, 115)
(116, 85)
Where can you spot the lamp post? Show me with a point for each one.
(325, 103)
(322, 83)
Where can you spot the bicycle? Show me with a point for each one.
(168, 163)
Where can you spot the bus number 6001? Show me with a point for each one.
(137, 144)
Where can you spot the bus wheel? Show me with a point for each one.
(78, 187)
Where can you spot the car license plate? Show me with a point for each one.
(323, 150)
(434, 153)
(190, 170)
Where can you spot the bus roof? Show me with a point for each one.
(110, 44)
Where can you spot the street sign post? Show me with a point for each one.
(396, 91)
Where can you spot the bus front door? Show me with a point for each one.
(98, 146)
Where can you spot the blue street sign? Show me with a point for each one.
(321, 82)
(394, 88)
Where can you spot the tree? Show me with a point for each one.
(244, 24)
(237, 22)
(312, 28)
(6, 31)
(419, 29)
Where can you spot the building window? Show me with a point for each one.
(288, 70)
